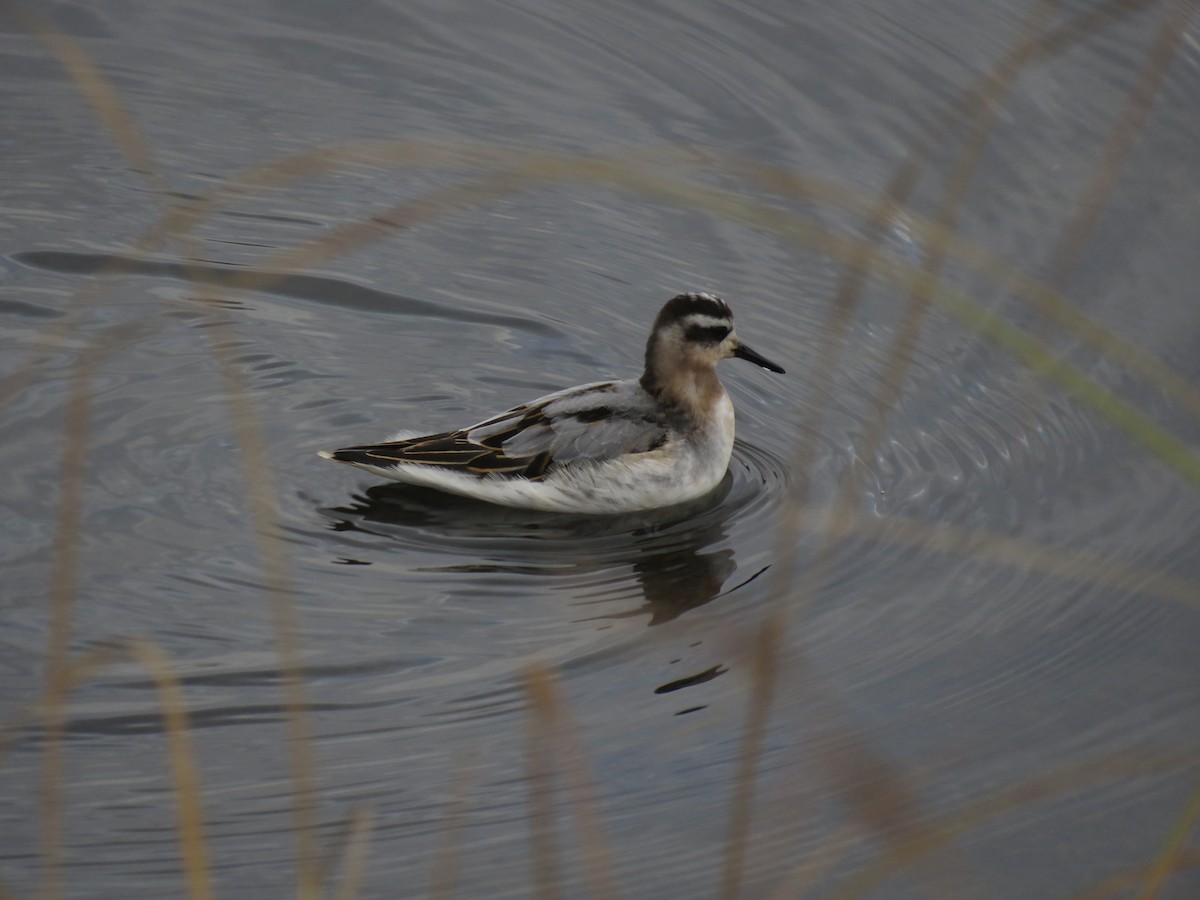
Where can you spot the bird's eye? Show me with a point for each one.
(707, 334)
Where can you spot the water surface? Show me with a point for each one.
(962, 672)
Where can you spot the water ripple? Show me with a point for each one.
(668, 560)
(310, 288)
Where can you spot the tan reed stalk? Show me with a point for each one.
(978, 103)
(793, 515)
(58, 644)
(443, 879)
(1129, 879)
(260, 501)
(180, 755)
(560, 732)
(65, 553)
(545, 853)
(1125, 132)
(799, 882)
(1172, 852)
(189, 810)
(354, 854)
(764, 675)
(973, 543)
(259, 498)
(625, 172)
(1138, 762)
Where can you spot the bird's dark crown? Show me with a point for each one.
(680, 307)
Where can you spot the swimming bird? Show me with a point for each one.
(605, 447)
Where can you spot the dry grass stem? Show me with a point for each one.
(1105, 173)
(36, 713)
(559, 730)
(99, 93)
(1129, 879)
(260, 498)
(260, 501)
(765, 660)
(800, 881)
(447, 862)
(899, 820)
(1170, 858)
(545, 853)
(968, 543)
(183, 766)
(1125, 132)
(354, 854)
(58, 644)
(1124, 764)
(879, 799)
(185, 778)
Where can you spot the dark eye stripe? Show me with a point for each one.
(711, 334)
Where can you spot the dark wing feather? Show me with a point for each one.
(592, 422)
(452, 449)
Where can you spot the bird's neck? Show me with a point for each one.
(692, 390)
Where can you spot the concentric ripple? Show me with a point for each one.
(667, 561)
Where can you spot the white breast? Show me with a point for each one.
(688, 466)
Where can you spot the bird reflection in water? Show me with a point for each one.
(667, 549)
(679, 578)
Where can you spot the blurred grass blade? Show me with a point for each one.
(260, 500)
(1169, 859)
(1181, 457)
(183, 766)
(1129, 879)
(35, 714)
(58, 641)
(354, 853)
(765, 652)
(855, 273)
(106, 104)
(800, 881)
(1121, 140)
(180, 755)
(1139, 762)
(880, 803)
(557, 728)
(443, 881)
(920, 294)
(99, 93)
(985, 546)
(545, 854)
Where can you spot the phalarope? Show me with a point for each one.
(606, 447)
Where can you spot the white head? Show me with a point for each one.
(692, 333)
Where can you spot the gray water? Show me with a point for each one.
(962, 674)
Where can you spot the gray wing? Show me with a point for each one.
(594, 422)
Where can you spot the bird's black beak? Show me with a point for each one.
(744, 352)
